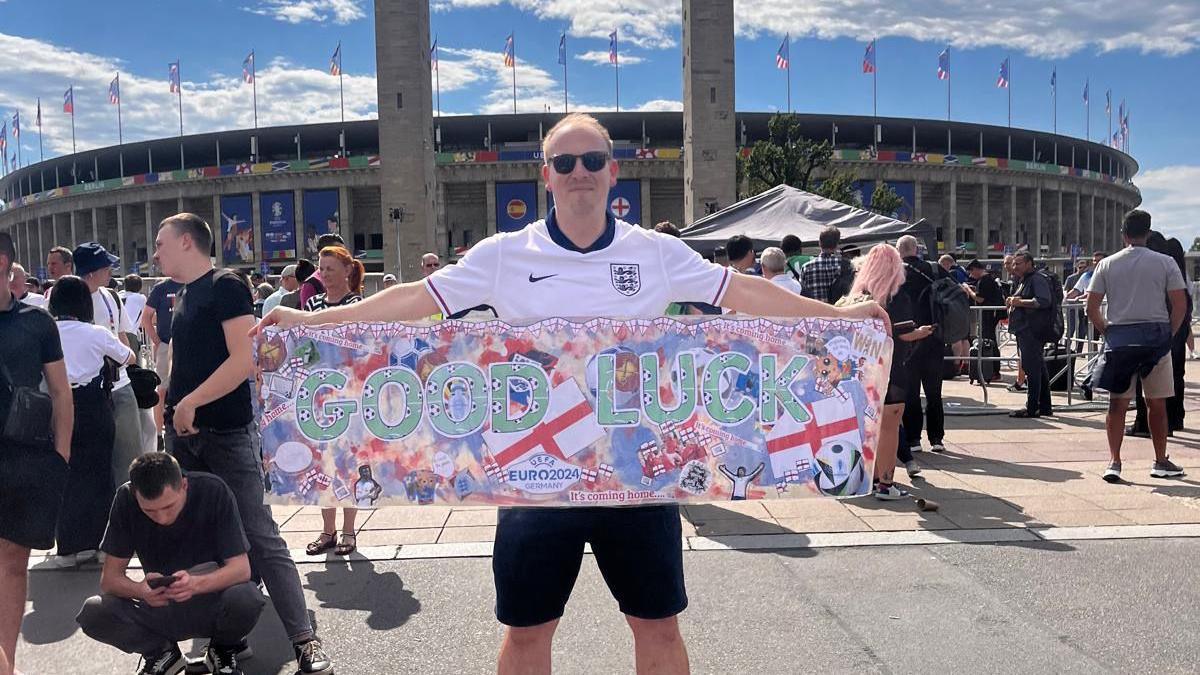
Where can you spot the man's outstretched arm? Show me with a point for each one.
(757, 296)
(404, 302)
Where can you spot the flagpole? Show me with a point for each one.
(875, 79)
(74, 164)
(564, 65)
(41, 155)
(1087, 111)
(18, 117)
(179, 96)
(254, 86)
(617, 68)
(120, 133)
(341, 89)
(437, 76)
(514, 71)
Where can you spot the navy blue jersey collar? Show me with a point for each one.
(556, 234)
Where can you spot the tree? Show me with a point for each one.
(885, 201)
(787, 157)
(839, 187)
(1196, 244)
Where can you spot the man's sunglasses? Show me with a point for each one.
(592, 161)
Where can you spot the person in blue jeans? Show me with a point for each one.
(209, 418)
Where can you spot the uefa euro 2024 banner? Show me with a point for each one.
(571, 412)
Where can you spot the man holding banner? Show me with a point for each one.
(583, 258)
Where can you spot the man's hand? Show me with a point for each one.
(184, 418)
(865, 310)
(184, 588)
(281, 317)
(155, 597)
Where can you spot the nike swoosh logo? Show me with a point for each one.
(534, 280)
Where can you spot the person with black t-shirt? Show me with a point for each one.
(156, 323)
(925, 364)
(343, 277)
(985, 291)
(31, 478)
(186, 532)
(209, 418)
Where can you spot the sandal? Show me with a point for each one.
(323, 543)
(348, 544)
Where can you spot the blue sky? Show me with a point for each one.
(1145, 54)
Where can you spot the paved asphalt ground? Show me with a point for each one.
(1033, 607)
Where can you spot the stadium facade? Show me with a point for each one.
(268, 206)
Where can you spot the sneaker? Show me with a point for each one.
(912, 468)
(222, 660)
(890, 493)
(312, 659)
(168, 662)
(73, 560)
(937, 447)
(916, 447)
(1166, 469)
(243, 651)
(1113, 473)
(1016, 387)
(1132, 430)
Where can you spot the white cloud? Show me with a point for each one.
(298, 11)
(1170, 195)
(600, 58)
(660, 105)
(286, 95)
(1034, 27)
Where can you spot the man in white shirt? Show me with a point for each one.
(94, 265)
(581, 260)
(20, 288)
(775, 269)
(287, 284)
(135, 301)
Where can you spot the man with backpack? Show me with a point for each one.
(1031, 310)
(829, 276)
(939, 302)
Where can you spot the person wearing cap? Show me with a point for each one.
(287, 284)
(389, 280)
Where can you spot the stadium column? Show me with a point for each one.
(491, 207)
(74, 230)
(150, 234)
(121, 237)
(405, 101)
(647, 216)
(298, 205)
(1079, 221)
(950, 231)
(541, 197)
(178, 205)
(917, 213)
(1036, 247)
(1056, 245)
(1012, 218)
(256, 224)
(218, 248)
(346, 219)
(1092, 244)
(42, 248)
(95, 224)
(982, 237)
(709, 134)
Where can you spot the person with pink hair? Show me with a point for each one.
(880, 276)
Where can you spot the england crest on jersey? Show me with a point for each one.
(626, 278)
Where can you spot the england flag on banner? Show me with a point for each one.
(568, 427)
(791, 445)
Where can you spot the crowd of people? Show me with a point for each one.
(147, 445)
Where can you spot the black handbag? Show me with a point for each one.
(26, 414)
(145, 386)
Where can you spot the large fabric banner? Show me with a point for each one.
(320, 217)
(865, 190)
(516, 206)
(624, 200)
(278, 213)
(559, 412)
(237, 229)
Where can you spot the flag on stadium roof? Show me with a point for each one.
(114, 90)
(783, 57)
(38, 119)
(1002, 79)
(1054, 80)
(562, 50)
(433, 54)
(510, 58)
(173, 77)
(869, 58)
(248, 68)
(17, 124)
(69, 100)
(335, 61)
(612, 47)
(1108, 102)
(1086, 85)
(943, 71)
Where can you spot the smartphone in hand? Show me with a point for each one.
(903, 327)
(161, 582)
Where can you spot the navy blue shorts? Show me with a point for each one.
(538, 551)
(31, 491)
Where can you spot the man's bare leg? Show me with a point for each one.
(1156, 414)
(1114, 426)
(658, 646)
(14, 578)
(526, 651)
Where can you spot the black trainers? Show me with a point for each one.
(1166, 469)
(222, 660)
(1113, 473)
(168, 662)
(312, 659)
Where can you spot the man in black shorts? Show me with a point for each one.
(31, 478)
(567, 261)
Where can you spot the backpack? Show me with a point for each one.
(1050, 328)
(844, 282)
(949, 307)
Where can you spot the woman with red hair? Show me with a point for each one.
(879, 277)
(343, 279)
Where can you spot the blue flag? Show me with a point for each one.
(562, 50)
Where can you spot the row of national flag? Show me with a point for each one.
(1003, 81)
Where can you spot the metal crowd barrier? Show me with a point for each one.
(1080, 339)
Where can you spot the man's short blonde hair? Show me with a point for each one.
(575, 120)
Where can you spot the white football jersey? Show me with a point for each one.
(535, 273)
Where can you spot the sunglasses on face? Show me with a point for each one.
(431, 265)
(592, 161)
